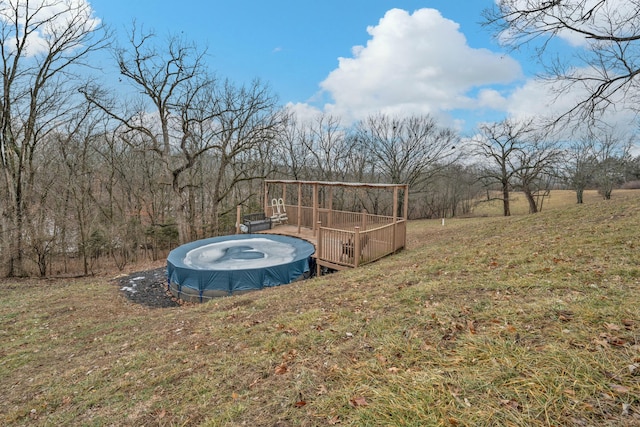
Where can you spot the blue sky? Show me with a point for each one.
(353, 58)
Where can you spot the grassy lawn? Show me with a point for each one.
(529, 320)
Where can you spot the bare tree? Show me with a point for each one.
(600, 159)
(611, 154)
(454, 192)
(191, 115)
(176, 83)
(604, 68)
(327, 146)
(408, 150)
(411, 150)
(578, 167)
(75, 148)
(293, 149)
(500, 144)
(246, 118)
(535, 168)
(42, 44)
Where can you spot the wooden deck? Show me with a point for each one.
(305, 234)
(292, 230)
(342, 238)
(341, 249)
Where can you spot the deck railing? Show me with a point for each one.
(342, 220)
(338, 247)
(343, 238)
(348, 239)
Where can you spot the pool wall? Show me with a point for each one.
(197, 284)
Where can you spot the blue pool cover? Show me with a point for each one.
(225, 265)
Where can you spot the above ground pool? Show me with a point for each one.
(220, 266)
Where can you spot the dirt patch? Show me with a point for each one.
(148, 288)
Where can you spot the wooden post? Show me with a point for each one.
(356, 247)
(315, 208)
(319, 250)
(330, 213)
(266, 199)
(395, 216)
(405, 214)
(299, 206)
(406, 203)
(238, 211)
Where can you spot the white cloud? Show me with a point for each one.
(305, 113)
(491, 98)
(536, 98)
(539, 99)
(56, 16)
(421, 63)
(416, 63)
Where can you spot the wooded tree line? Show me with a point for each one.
(88, 176)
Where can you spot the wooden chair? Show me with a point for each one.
(275, 212)
(279, 211)
(283, 213)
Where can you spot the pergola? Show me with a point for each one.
(344, 238)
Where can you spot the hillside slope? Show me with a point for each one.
(531, 320)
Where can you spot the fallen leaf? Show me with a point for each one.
(619, 388)
(235, 395)
(300, 403)
(358, 401)
(334, 420)
(471, 326)
(601, 343)
(628, 324)
(290, 355)
(510, 403)
(617, 341)
(607, 396)
(612, 326)
(281, 369)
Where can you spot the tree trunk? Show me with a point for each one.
(16, 260)
(505, 200)
(533, 206)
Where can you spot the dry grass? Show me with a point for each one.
(529, 320)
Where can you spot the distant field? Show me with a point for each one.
(531, 320)
(556, 199)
